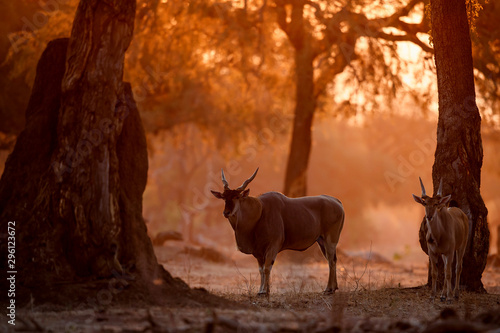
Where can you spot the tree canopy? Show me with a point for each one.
(221, 73)
(226, 64)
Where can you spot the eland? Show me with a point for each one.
(270, 223)
(447, 234)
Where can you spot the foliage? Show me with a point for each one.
(221, 63)
(208, 63)
(31, 25)
(473, 9)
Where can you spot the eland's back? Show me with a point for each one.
(270, 223)
(303, 220)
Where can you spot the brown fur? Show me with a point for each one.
(447, 233)
(270, 223)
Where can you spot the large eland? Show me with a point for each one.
(270, 223)
(447, 233)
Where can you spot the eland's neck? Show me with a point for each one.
(244, 221)
(438, 223)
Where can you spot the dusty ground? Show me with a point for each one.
(375, 296)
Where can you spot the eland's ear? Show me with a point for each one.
(216, 194)
(445, 200)
(418, 200)
(245, 193)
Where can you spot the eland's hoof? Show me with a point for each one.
(329, 291)
(262, 293)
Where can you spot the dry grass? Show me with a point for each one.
(373, 296)
(383, 310)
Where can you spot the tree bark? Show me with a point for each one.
(498, 241)
(75, 179)
(305, 104)
(459, 152)
(93, 108)
(300, 147)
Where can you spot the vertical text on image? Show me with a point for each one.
(11, 272)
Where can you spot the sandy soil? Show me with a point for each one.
(375, 295)
(296, 272)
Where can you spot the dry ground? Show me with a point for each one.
(375, 296)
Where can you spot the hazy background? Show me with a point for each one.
(214, 82)
(373, 168)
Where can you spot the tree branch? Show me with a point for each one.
(281, 16)
(328, 74)
(406, 38)
(374, 28)
(402, 12)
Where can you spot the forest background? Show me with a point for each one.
(215, 84)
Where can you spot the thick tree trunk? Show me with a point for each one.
(27, 181)
(305, 104)
(75, 179)
(300, 147)
(93, 108)
(459, 152)
(496, 258)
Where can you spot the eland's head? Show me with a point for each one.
(232, 197)
(432, 204)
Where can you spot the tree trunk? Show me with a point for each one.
(459, 152)
(75, 179)
(93, 108)
(305, 104)
(498, 241)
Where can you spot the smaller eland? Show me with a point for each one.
(270, 223)
(447, 233)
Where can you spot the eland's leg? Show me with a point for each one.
(262, 277)
(265, 273)
(331, 256)
(434, 274)
(458, 271)
(448, 262)
(321, 244)
(328, 243)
